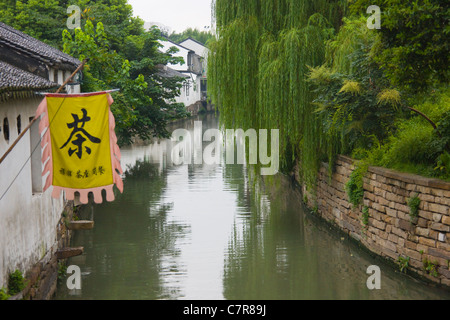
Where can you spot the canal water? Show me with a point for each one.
(218, 231)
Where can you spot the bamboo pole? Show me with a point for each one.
(35, 119)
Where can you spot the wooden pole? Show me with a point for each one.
(35, 119)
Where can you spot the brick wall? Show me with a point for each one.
(391, 232)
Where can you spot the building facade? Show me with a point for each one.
(194, 69)
(28, 216)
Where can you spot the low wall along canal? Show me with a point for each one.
(420, 244)
(223, 231)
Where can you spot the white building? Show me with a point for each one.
(194, 55)
(202, 51)
(28, 216)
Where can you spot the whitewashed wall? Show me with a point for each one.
(27, 220)
(199, 49)
(183, 52)
(194, 91)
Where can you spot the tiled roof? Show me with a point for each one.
(167, 72)
(24, 43)
(15, 82)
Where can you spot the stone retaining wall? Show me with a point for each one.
(391, 232)
(41, 279)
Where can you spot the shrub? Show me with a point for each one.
(413, 204)
(355, 186)
(16, 283)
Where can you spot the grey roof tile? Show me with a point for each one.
(24, 43)
(13, 79)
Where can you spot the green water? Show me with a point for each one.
(206, 232)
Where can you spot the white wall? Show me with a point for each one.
(183, 52)
(62, 76)
(194, 91)
(27, 221)
(199, 49)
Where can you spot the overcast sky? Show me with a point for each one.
(178, 15)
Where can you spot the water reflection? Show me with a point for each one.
(218, 232)
(278, 252)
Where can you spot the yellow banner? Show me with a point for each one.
(80, 140)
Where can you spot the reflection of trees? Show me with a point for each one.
(279, 252)
(261, 259)
(133, 246)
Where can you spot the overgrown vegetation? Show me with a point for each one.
(258, 70)
(403, 263)
(122, 56)
(4, 294)
(333, 86)
(430, 267)
(16, 282)
(413, 204)
(62, 270)
(355, 185)
(200, 36)
(365, 216)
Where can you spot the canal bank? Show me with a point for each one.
(402, 218)
(40, 279)
(219, 232)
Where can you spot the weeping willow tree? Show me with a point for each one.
(258, 70)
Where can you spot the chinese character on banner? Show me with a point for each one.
(80, 150)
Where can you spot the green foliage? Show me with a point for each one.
(443, 163)
(365, 117)
(16, 283)
(62, 270)
(200, 36)
(42, 19)
(414, 146)
(365, 216)
(430, 267)
(413, 44)
(4, 294)
(333, 86)
(46, 19)
(146, 100)
(355, 185)
(352, 100)
(413, 204)
(258, 70)
(122, 55)
(403, 263)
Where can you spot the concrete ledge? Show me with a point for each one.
(69, 252)
(81, 225)
(411, 178)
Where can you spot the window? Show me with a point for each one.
(55, 76)
(187, 86)
(6, 129)
(203, 85)
(189, 61)
(19, 124)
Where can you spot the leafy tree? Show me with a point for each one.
(122, 55)
(414, 41)
(42, 19)
(46, 19)
(145, 101)
(200, 36)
